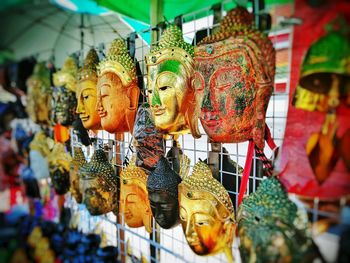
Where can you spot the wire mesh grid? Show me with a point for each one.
(170, 245)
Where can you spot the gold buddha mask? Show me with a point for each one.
(86, 92)
(134, 202)
(63, 97)
(117, 90)
(99, 183)
(59, 163)
(38, 100)
(170, 93)
(234, 74)
(206, 213)
(77, 162)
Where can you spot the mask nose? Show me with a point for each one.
(206, 103)
(156, 99)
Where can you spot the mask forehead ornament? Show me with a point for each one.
(234, 77)
(206, 213)
(170, 71)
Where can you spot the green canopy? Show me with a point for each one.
(140, 10)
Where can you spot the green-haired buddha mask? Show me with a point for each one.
(271, 229)
(38, 100)
(99, 184)
(117, 89)
(63, 97)
(77, 162)
(170, 93)
(206, 213)
(86, 92)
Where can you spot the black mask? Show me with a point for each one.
(162, 186)
(63, 106)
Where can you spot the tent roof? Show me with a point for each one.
(140, 10)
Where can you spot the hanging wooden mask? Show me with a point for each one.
(117, 89)
(206, 213)
(162, 186)
(38, 98)
(99, 184)
(148, 141)
(271, 229)
(134, 204)
(77, 162)
(234, 74)
(170, 94)
(59, 162)
(63, 97)
(86, 92)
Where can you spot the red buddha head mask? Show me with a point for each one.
(117, 89)
(234, 72)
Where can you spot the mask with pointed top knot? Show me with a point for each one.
(87, 93)
(38, 98)
(63, 96)
(170, 94)
(77, 162)
(117, 89)
(233, 80)
(99, 183)
(59, 161)
(206, 213)
(134, 204)
(271, 229)
(162, 186)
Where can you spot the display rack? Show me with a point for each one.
(170, 245)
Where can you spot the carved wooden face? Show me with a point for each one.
(113, 101)
(226, 81)
(205, 222)
(87, 101)
(165, 208)
(168, 87)
(134, 204)
(64, 106)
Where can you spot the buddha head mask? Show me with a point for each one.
(117, 89)
(162, 186)
(282, 233)
(38, 104)
(77, 162)
(148, 141)
(63, 97)
(86, 92)
(206, 213)
(59, 162)
(134, 202)
(170, 94)
(234, 74)
(99, 183)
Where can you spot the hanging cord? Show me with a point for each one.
(261, 155)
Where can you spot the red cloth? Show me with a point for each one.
(296, 173)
